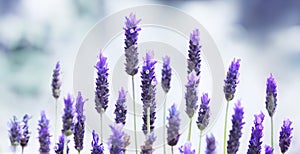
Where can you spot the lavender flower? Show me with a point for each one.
(285, 135)
(194, 61)
(174, 126)
(24, 131)
(187, 148)
(271, 95)
(232, 79)
(210, 144)
(204, 112)
(97, 148)
(148, 90)
(131, 36)
(56, 83)
(148, 147)
(121, 108)
(59, 148)
(14, 131)
(79, 124)
(268, 150)
(236, 132)
(166, 73)
(256, 135)
(44, 135)
(116, 141)
(191, 95)
(68, 115)
(101, 94)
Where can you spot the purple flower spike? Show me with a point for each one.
(174, 126)
(256, 135)
(121, 108)
(24, 131)
(79, 124)
(56, 82)
(271, 95)
(268, 150)
(232, 79)
(68, 116)
(194, 61)
(148, 147)
(210, 144)
(187, 148)
(191, 95)
(101, 93)
(148, 90)
(97, 148)
(59, 148)
(14, 131)
(44, 135)
(236, 132)
(166, 74)
(285, 135)
(131, 36)
(116, 141)
(204, 112)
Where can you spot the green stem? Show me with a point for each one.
(225, 128)
(65, 145)
(164, 126)
(148, 120)
(199, 147)
(134, 115)
(272, 129)
(55, 122)
(101, 127)
(22, 150)
(190, 130)
(172, 149)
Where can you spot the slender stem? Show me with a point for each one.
(65, 145)
(22, 150)
(134, 115)
(225, 128)
(200, 139)
(164, 126)
(101, 127)
(190, 130)
(148, 120)
(272, 129)
(172, 149)
(78, 152)
(55, 122)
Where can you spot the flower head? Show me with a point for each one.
(148, 90)
(232, 79)
(236, 131)
(148, 147)
(131, 36)
(166, 73)
(204, 112)
(268, 150)
(97, 148)
(56, 82)
(194, 60)
(24, 131)
(44, 135)
(121, 108)
(79, 124)
(174, 126)
(59, 148)
(191, 95)
(187, 148)
(271, 96)
(210, 144)
(116, 141)
(68, 116)
(285, 135)
(14, 131)
(256, 135)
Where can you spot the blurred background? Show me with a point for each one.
(34, 35)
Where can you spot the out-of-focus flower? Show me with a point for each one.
(131, 36)
(101, 93)
(97, 148)
(236, 131)
(14, 131)
(148, 147)
(268, 150)
(285, 135)
(256, 135)
(191, 95)
(116, 141)
(174, 126)
(24, 131)
(232, 79)
(204, 112)
(67, 118)
(166, 74)
(187, 148)
(59, 148)
(44, 135)
(121, 108)
(194, 61)
(271, 92)
(210, 144)
(80, 123)
(56, 82)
